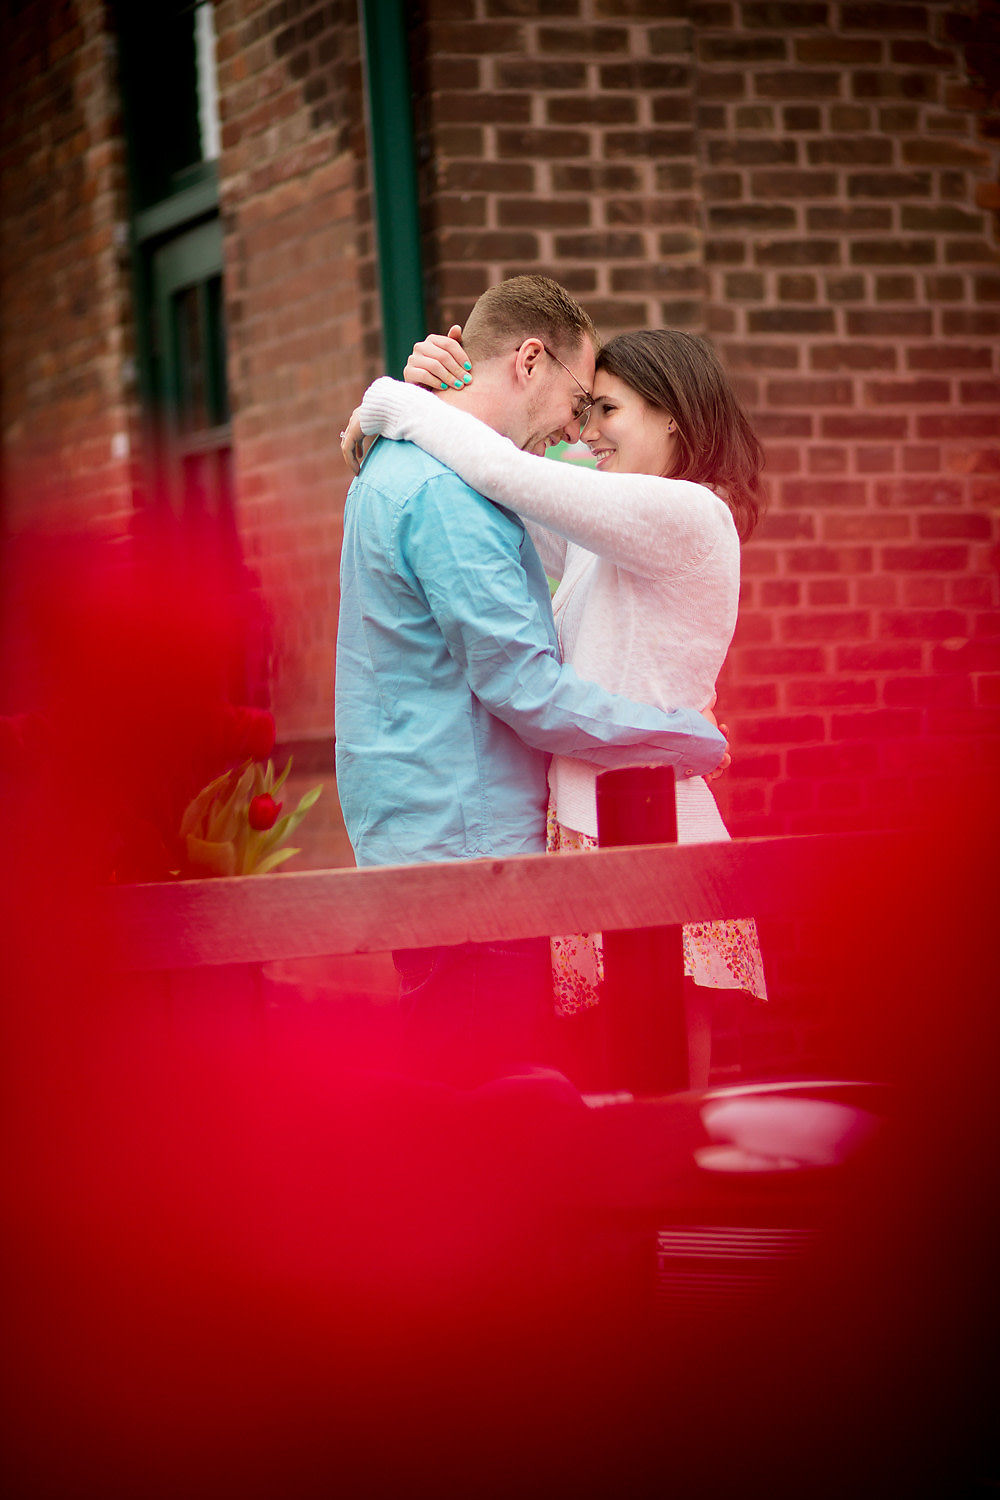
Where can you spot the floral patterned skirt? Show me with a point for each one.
(721, 955)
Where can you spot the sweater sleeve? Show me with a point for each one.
(466, 563)
(653, 526)
(550, 546)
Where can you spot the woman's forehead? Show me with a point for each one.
(611, 385)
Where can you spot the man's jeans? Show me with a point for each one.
(474, 1011)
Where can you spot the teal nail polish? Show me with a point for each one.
(467, 365)
(444, 385)
(467, 378)
(458, 385)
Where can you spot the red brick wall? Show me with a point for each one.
(853, 280)
(66, 380)
(560, 136)
(297, 245)
(815, 186)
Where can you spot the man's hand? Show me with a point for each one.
(352, 442)
(723, 729)
(439, 362)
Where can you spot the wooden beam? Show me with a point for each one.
(256, 919)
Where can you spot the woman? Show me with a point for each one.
(646, 554)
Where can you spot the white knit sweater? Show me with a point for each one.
(649, 572)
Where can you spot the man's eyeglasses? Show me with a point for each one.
(582, 409)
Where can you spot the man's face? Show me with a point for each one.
(559, 397)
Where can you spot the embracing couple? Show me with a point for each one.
(473, 712)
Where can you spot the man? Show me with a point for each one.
(450, 692)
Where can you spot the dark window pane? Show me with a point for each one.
(218, 384)
(160, 92)
(192, 406)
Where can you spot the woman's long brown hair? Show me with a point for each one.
(717, 447)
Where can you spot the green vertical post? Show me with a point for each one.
(394, 179)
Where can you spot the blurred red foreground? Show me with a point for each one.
(260, 1272)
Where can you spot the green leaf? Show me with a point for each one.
(225, 820)
(268, 837)
(215, 858)
(192, 814)
(222, 825)
(291, 821)
(305, 802)
(254, 846)
(252, 780)
(198, 807)
(282, 778)
(273, 860)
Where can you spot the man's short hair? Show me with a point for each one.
(527, 307)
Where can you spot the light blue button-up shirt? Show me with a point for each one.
(450, 693)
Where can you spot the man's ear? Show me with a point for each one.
(529, 353)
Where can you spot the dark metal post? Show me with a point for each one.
(644, 970)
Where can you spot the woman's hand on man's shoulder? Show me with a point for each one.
(439, 362)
